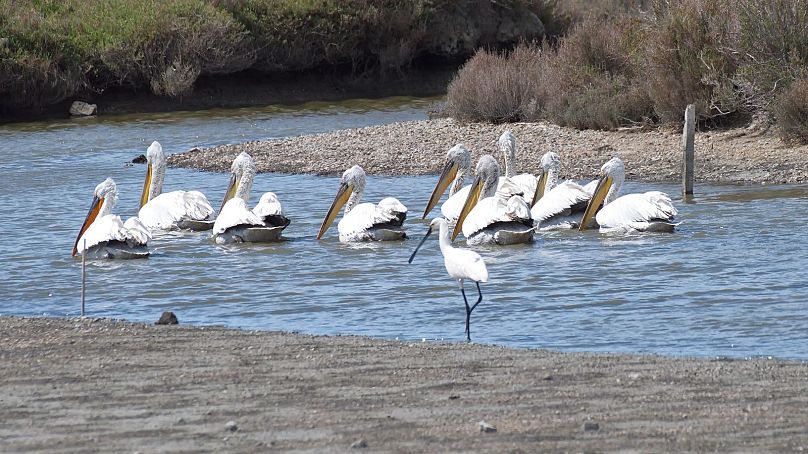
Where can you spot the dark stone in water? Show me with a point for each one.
(139, 159)
(168, 318)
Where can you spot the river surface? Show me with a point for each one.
(730, 282)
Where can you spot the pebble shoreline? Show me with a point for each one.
(419, 147)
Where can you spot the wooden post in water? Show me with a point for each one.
(83, 274)
(688, 144)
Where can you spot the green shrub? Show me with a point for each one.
(791, 111)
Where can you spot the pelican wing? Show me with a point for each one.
(111, 228)
(234, 213)
(136, 233)
(367, 215)
(527, 185)
(637, 210)
(590, 187)
(559, 200)
(269, 205)
(166, 210)
(495, 209)
(452, 206)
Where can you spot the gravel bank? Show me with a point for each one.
(81, 385)
(418, 147)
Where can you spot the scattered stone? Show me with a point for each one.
(139, 159)
(547, 378)
(590, 426)
(359, 444)
(82, 109)
(168, 318)
(487, 428)
(231, 426)
(453, 397)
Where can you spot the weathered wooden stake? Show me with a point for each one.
(83, 274)
(688, 144)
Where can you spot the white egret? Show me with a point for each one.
(458, 164)
(364, 221)
(461, 264)
(494, 216)
(651, 211)
(558, 206)
(236, 223)
(104, 234)
(170, 210)
(525, 181)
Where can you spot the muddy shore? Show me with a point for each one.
(419, 147)
(84, 385)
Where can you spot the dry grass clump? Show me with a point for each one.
(791, 111)
(497, 87)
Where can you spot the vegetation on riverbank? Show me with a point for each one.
(51, 50)
(735, 59)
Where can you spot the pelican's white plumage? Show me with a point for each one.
(526, 182)
(170, 210)
(236, 223)
(104, 234)
(364, 221)
(491, 215)
(558, 202)
(651, 211)
(461, 264)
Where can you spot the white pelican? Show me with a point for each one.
(556, 203)
(491, 215)
(458, 164)
(238, 224)
(365, 221)
(105, 234)
(170, 210)
(647, 212)
(526, 182)
(460, 264)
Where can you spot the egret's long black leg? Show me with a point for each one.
(468, 312)
(480, 299)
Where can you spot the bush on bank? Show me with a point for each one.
(53, 49)
(645, 61)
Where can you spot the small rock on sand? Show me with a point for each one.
(485, 427)
(590, 426)
(358, 444)
(82, 109)
(168, 318)
(231, 426)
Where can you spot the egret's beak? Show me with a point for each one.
(539, 188)
(423, 240)
(471, 201)
(343, 193)
(231, 190)
(446, 177)
(144, 196)
(88, 221)
(596, 202)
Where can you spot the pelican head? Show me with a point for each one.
(105, 196)
(155, 173)
(507, 146)
(458, 163)
(351, 187)
(550, 165)
(613, 173)
(484, 185)
(242, 174)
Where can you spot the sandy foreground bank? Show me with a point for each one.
(419, 147)
(84, 385)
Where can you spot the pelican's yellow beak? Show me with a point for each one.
(88, 221)
(446, 177)
(539, 188)
(343, 193)
(471, 202)
(231, 190)
(144, 196)
(596, 202)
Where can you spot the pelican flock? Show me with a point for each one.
(364, 221)
(236, 223)
(461, 264)
(170, 210)
(493, 209)
(104, 235)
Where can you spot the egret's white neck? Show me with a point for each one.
(158, 176)
(617, 184)
(458, 182)
(444, 237)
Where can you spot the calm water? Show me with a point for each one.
(730, 282)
